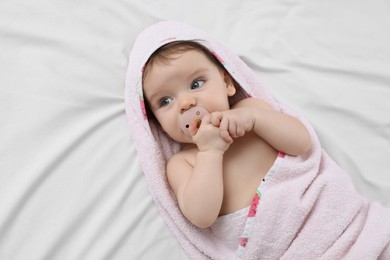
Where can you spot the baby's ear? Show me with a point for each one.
(229, 84)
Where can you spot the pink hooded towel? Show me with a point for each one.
(309, 208)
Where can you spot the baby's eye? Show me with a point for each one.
(197, 84)
(165, 101)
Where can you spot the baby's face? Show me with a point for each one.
(186, 80)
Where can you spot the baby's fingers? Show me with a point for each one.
(196, 123)
(236, 130)
(194, 126)
(226, 136)
(215, 118)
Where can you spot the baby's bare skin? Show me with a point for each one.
(225, 157)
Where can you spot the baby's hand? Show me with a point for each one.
(208, 136)
(233, 123)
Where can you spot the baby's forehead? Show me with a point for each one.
(180, 65)
(168, 57)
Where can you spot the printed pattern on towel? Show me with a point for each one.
(254, 205)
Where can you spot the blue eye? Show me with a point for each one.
(197, 84)
(165, 101)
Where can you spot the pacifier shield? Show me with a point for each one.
(194, 113)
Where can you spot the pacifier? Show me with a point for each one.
(194, 113)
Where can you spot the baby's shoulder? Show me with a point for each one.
(252, 102)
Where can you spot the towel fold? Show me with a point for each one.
(309, 209)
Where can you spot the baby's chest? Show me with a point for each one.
(243, 170)
(248, 157)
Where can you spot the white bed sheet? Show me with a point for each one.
(70, 183)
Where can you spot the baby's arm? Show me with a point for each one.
(284, 132)
(199, 187)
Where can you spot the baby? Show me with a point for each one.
(234, 173)
(224, 160)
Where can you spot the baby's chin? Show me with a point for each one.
(186, 146)
(184, 139)
(187, 142)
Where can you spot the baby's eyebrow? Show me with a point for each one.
(154, 96)
(197, 71)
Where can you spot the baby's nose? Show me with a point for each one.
(186, 102)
